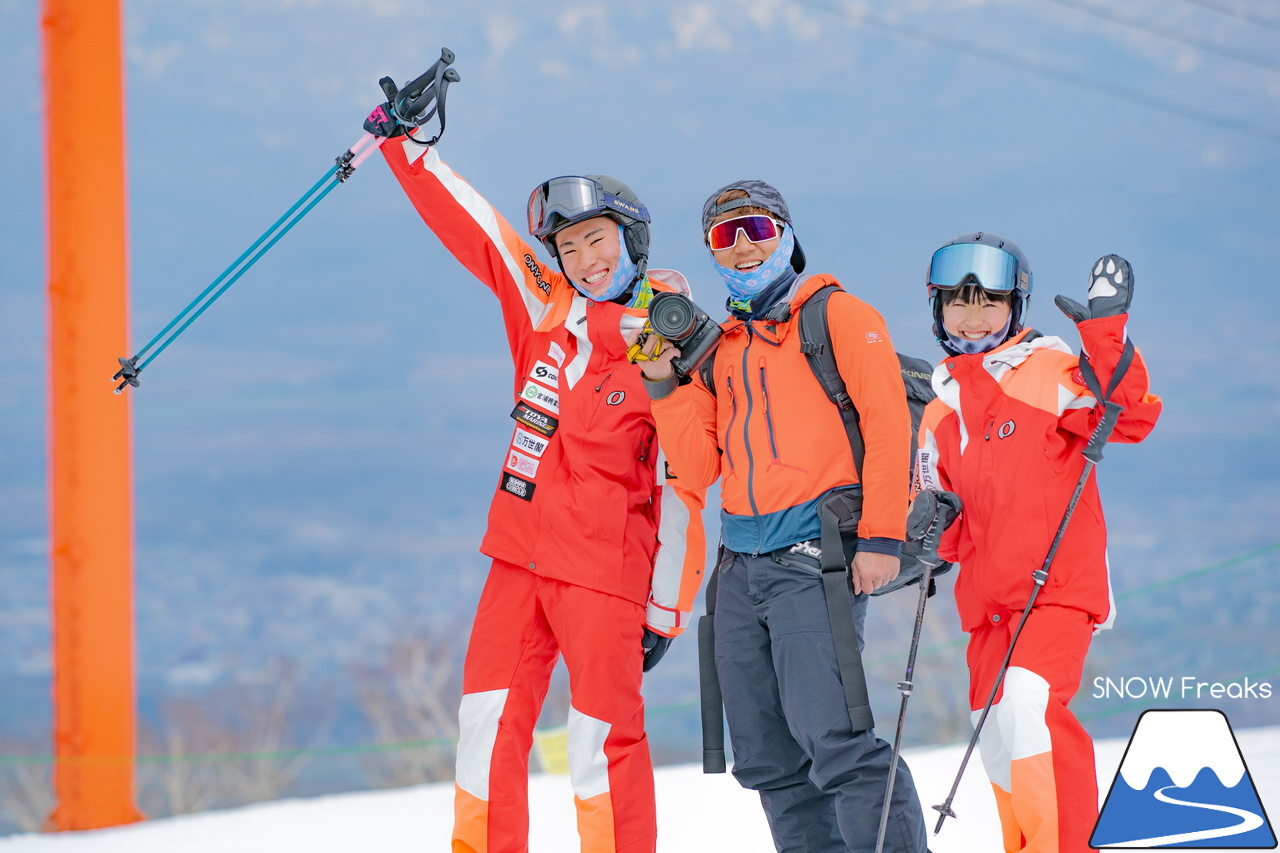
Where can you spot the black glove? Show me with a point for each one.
(1110, 291)
(382, 121)
(931, 510)
(655, 646)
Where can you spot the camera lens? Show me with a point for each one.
(672, 315)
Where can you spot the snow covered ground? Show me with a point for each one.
(695, 813)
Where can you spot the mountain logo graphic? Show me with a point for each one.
(1183, 783)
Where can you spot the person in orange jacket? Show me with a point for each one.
(778, 445)
(1013, 413)
(597, 554)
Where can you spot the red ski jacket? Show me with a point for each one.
(581, 495)
(1005, 434)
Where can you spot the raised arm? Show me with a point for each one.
(1104, 338)
(533, 297)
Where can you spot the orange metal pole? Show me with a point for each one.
(91, 517)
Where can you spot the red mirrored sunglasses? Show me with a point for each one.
(757, 227)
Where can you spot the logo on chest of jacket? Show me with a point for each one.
(543, 397)
(513, 485)
(545, 374)
(540, 423)
(1006, 429)
(616, 398)
(523, 465)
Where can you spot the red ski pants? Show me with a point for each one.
(1037, 755)
(523, 622)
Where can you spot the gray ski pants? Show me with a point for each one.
(820, 784)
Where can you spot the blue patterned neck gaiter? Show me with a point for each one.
(964, 346)
(745, 285)
(623, 274)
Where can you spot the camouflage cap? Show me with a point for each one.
(759, 194)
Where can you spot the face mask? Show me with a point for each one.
(623, 274)
(743, 285)
(964, 346)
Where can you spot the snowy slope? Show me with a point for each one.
(695, 813)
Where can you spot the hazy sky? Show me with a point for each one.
(1148, 128)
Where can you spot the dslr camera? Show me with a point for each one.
(675, 318)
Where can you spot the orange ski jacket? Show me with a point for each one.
(1005, 434)
(581, 496)
(777, 442)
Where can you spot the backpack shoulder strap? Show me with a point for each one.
(815, 343)
(707, 370)
(917, 377)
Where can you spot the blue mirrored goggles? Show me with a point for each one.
(993, 269)
(570, 198)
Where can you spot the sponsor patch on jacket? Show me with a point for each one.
(557, 354)
(541, 423)
(525, 466)
(546, 374)
(514, 485)
(535, 393)
(924, 476)
(536, 272)
(529, 443)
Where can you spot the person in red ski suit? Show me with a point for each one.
(1013, 412)
(597, 550)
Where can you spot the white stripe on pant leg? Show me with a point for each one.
(993, 749)
(588, 765)
(1016, 727)
(1022, 722)
(478, 716)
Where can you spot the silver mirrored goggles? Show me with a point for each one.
(994, 269)
(572, 199)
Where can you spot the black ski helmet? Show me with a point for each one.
(561, 202)
(1001, 268)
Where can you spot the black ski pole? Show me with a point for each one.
(905, 686)
(1093, 455)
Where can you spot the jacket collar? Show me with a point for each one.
(777, 322)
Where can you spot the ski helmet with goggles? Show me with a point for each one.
(991, 262)
(563, 201)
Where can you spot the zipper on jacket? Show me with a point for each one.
(746, 442)
(644, 450)
(733, 416)
(768, 413)
(606, 379)
(990, 424)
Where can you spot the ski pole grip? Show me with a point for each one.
(419, 84)
(435, 92)
(1102, 432)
